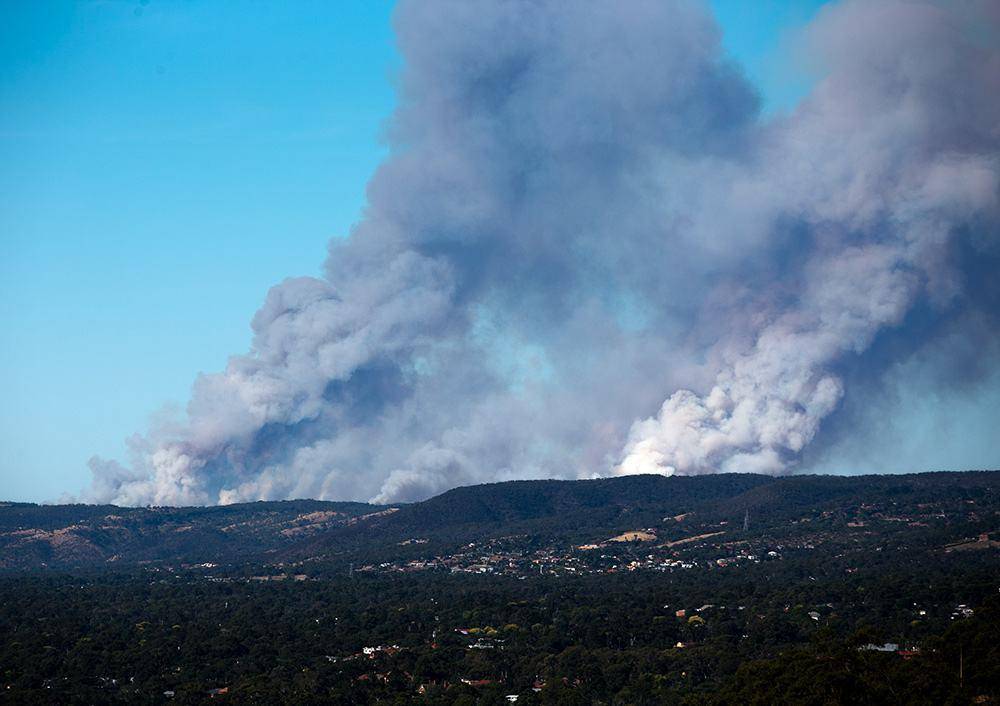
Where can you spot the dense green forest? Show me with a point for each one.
(719, 590)
(602, 639)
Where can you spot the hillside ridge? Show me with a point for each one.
(557, 512)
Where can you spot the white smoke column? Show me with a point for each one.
(582, 213)
(768, 403)
(903, 137)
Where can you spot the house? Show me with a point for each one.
(887, 647)
(477, 682)
(372, 652)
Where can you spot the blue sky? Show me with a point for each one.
(163, 164)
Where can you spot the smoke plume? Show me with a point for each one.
(584, 214)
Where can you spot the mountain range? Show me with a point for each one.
(544, 512)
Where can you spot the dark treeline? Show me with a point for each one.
(779, 632)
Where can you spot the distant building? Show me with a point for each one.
(887, 647)
(477, 682)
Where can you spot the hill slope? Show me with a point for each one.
(62, 536)
(545, 512)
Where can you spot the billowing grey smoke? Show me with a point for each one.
(584, 215)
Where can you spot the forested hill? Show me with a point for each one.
(560, 513)
(723, 589)
(73, 536)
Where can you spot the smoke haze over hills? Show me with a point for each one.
(588, 254)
